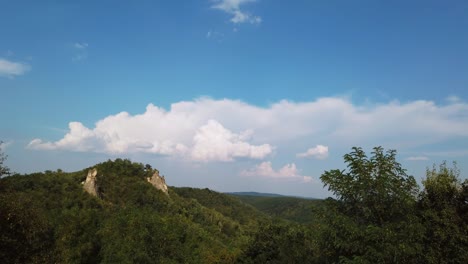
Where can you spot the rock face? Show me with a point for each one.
(90, 185)
(158, 181)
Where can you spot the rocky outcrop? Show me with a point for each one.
(90, 185)
(158, 181)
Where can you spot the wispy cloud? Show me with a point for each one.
(233, 7)
(80, 51)
(448, 153)
(11, 69)
(287, 172)
(80, 45)
(318, 152)
(417, 158)
(453, 99)
(215, 35)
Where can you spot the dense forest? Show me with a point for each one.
(378, 214)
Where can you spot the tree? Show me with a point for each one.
(25, 235)
(4, 171)
(371, 220)
(281, 242)
(442, 206)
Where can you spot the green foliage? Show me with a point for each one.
(443, 206)
(375, 190)
(281, 243)
(225, 204)
(75, 235)
(463, 202)
(48, 217)
(441, 187)
(25, 233)
(377, 216)
(4, 170)
(123, 183)
(289, 208)
(142, 236)
(372, 220)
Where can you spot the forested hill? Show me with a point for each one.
(49, 218)
(295, 209)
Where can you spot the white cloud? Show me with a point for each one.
(81, 51)
(287, 172)
(417, 158)
(179, 132)
(319, 152)
(12, 69)
(233, 7)
(238, 129)
(80, 138)
(214, 142)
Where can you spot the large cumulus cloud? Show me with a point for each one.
(224, 130)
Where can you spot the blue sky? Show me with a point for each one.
(233, 95)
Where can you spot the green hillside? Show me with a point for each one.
(116, 215)
(295, 209)
(49, 218)
(228, 206)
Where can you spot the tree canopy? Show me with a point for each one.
(371, 219)
(376, 215)
(443, 207)
(4, 170)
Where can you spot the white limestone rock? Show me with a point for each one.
(159, 182)
(90, 185)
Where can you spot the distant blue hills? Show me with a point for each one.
(259, 194)
(256, 194)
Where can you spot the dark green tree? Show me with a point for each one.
(281, 242)
(4, 170)
(25, 235)
(371, 220)
(463, 210)
(442, 205)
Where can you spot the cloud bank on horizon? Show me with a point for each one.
(287, 172)
(207, 130)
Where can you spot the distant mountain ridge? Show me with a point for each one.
(259, 194)
(292, 208)
(256, 194)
